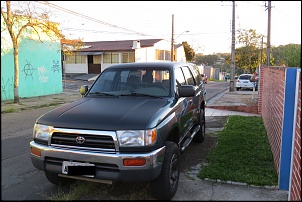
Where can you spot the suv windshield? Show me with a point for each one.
(133, 82)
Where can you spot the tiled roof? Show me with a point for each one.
(117, 45)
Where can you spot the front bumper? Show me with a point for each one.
(108, 166)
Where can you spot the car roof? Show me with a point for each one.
(161, 64)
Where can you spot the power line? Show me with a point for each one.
(90, 18)
(93, 31)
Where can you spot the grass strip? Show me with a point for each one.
(242, 154)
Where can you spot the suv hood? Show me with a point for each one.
(104, 113)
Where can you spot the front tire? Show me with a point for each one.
(200, 135)
(165, 186)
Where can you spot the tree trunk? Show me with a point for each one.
(16, 77)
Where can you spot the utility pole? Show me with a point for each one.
(261, 51)
(268, 51)
(172, 40)
(233, 51)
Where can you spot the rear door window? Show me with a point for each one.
(188, 75)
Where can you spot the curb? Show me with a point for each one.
(242, 184)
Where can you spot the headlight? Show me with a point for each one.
(134, 138)
(41, 133)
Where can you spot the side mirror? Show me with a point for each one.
(187, 91)
(83, 89)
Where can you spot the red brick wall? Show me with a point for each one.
(272, 99)
(270, 106)
(295, 186)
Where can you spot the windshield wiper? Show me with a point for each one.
(101, 93)
(139, 94)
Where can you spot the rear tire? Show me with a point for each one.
(200, 135)
(55, 179)
(237, 89)
(165, 185)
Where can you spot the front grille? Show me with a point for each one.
(92, 142)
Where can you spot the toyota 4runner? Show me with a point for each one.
(131, 125)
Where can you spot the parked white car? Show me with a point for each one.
(243, 82)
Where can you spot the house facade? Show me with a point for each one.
(94, 57)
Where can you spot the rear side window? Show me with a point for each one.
(196, 74)
(188, 75)
(180, 79)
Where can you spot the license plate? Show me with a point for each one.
(245, 82)
(78, 168)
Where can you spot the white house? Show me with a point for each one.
(94, 57)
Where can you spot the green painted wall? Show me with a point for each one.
(40, 70)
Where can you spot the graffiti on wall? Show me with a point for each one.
(31, 74)
(5, 88)
(42, 71)
(55, 66)
(28, 70)
(42, 74)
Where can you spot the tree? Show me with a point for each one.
(287, 55)
(219, 60)
(189, 52)
(209, 60)
(198, 59)
(250, 51)
(22, 20)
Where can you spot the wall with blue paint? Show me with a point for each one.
(287, 128)
(40, 69)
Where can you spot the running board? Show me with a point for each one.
(189, 140)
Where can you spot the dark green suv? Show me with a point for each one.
(130, 126)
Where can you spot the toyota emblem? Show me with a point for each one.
(80, 140)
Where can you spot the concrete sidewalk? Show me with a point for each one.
(191, 188)
(41, 101)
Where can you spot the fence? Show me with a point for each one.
(279, 103)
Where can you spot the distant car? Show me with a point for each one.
(204, 78)
(243, 82)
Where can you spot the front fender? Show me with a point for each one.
(166, 127)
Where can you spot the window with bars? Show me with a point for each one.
(160, 54)
(75, 58)
(128, 57)
(97, 59)
(111, 58)
(163, 55)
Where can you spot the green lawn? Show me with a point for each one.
(242, 154)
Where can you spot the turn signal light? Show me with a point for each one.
(35, 151)
(134, 162)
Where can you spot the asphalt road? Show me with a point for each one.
(19, 179)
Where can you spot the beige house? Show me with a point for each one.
(94, 57)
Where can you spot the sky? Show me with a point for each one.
(209, 22)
